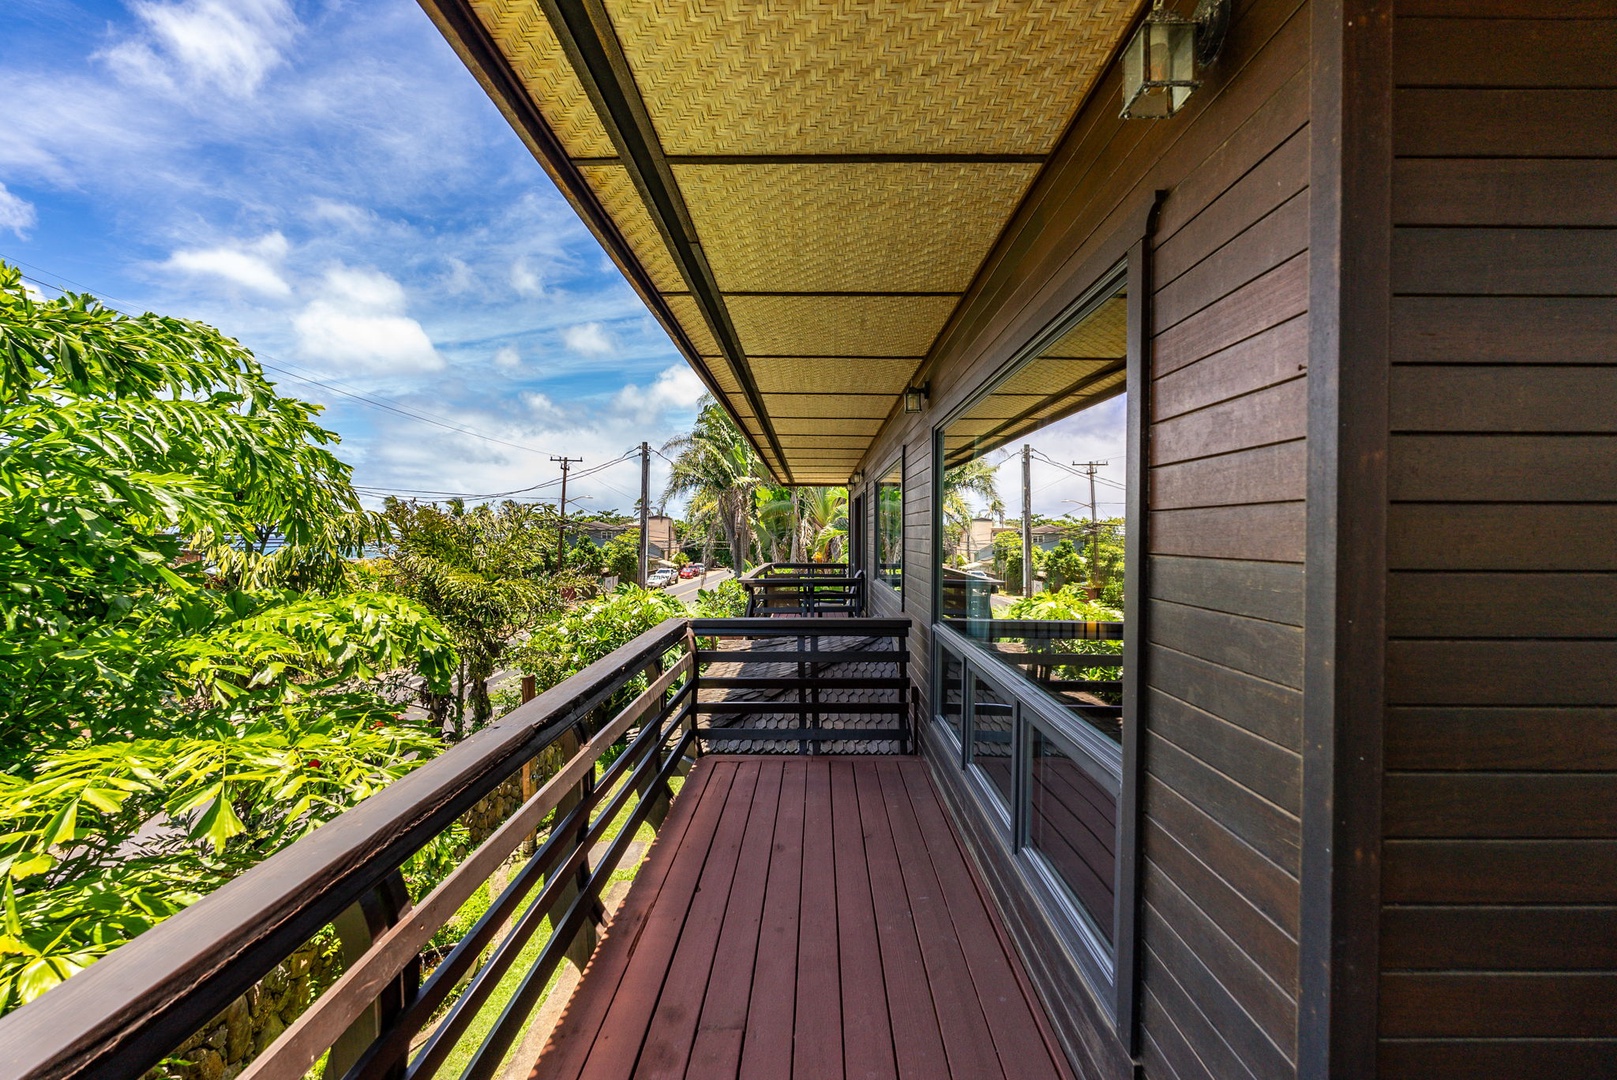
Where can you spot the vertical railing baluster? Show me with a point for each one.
(357, 927)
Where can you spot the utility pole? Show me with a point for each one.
(561, 529)
(1090, 468)
(1027, 519)
(645, 511)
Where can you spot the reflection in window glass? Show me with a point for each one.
(1072, 823)
(890, 527)
(991, 727)
(950, 705)
(1052, 433)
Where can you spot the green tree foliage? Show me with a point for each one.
(138, 457)
(726, 600)
(488, 574)
(620, 556)
(800, 524)
(716, 469)
(178, 701)
(1063, 565)
(1008, 559)
(110, 838)
(972, 478)
(571, 643)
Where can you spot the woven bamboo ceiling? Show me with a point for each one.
(801, 191)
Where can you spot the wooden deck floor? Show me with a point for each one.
(804, 917)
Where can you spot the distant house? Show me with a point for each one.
(659, 528)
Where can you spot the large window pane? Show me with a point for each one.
(1037, 465)
(890, 527)
(991, 735)
(1072, 823)
(950, 697)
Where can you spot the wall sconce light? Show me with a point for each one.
(915, 397)
(1162, 59)
(856, 478)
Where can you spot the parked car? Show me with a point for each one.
(690, 570)
(661, 578)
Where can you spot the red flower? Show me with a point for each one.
(314, 763)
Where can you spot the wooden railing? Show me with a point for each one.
(805, 685)
(385, 1018)
(1066, 658)
(966, 594)
(123, 1015)
(804, 589)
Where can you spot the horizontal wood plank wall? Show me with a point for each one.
(1500, 799)
(1221, 797)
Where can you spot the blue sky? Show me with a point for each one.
(326, 182)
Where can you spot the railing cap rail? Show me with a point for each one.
(125, 1006)
(787, 626)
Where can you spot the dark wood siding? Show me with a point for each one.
(1221, 753)
(1499, 880)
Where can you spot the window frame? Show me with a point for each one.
(1109, 969)
(876, 532)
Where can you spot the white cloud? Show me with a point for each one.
(360, 324)
(525, 280)
(587, 339)
(344, 214)
(506, 358)
(16, 213)
(252, 266)
(460, 278)
(201, 45)
(677, 387)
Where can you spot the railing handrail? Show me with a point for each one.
(133, 1007)
(764, 571)
(801, 626)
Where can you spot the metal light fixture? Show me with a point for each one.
(915, 397)
(1162, 59)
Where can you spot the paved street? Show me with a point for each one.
(686, 589)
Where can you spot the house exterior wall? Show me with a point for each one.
(1498, 930)
(1220, 787)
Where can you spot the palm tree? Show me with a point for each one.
(975, 477)
(718, 470)
(486, 573)
(824, 521)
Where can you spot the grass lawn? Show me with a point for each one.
(480, 1027)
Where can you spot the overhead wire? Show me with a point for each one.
(274, 363)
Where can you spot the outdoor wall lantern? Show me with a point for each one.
(1162, 59)
(915, 397)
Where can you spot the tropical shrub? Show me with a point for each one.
(177, 700)
(571, 643)
(726, 600)
(489, 574)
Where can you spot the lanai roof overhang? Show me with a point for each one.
(802, 192)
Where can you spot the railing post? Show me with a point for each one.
(695, 692)
(906, 693)
(357, 927)
(583, 946)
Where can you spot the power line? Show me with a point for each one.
(435, 421)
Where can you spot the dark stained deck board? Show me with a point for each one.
(719, 1034)
(867, 1034)
(817, 1043)
(808, 917)
(1006, 998)
(767, 1039)
(667, 1048)
(917, 1037)
(576, 1031)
